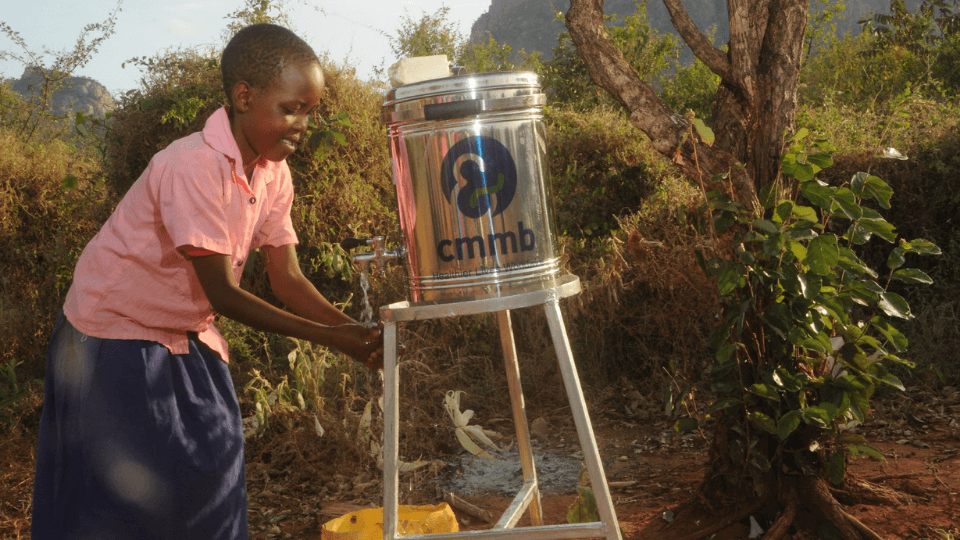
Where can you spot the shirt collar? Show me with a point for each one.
(218, 136)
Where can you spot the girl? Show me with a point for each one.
(141, 433)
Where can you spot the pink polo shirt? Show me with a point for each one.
(132, 283)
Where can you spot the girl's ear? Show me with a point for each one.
(240, 97)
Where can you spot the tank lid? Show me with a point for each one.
(462, 84)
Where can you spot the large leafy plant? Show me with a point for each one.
(806, 329)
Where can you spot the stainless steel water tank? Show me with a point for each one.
(470, 168)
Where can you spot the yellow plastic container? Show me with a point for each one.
(368, 524)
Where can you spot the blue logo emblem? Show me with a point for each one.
(481, 174)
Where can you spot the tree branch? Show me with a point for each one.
(711, 56)
(667, 130)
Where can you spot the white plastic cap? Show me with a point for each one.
(418, 68)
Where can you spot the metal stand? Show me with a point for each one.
(529, 496)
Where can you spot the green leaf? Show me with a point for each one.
(871, 187)
(810, 285)
(773, 246)
(818, 342)
(787, 424)
(865, 291)
(912, 275)
(778, 318)
(822, 415)
(706, 134)
(868, 450)
(851, 438)
(879, 227)
(822, 160)
(800, 135)
(802, 231)
(894, 305)
(893, 381)
(804, 172)
(764, 390)
(584, 507)
(730, 278)
(851, 263)
(898, 340)
(768, 196)
(852, 382)
(838, 467)
(786, 380)
(846, 202)
(683, 425)
(806, 213)
(819, 194)
(799, 250)
(896, 258)
(760, 462)
(859, 406)
(858, 235)
(783, 211)
(70, 181)
(765, 225)
(823, 254)
(921, 246)
(724, 403)
(764, 421)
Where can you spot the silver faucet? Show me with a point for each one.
(377, 257)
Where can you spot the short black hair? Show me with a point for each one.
(258, 54)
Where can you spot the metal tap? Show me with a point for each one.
(377, 257)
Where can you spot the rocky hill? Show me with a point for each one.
(77, 94)
(531, 25)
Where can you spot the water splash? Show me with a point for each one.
(367, 314)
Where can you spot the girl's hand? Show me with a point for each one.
(363, 342)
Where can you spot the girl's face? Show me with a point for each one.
(269, 123)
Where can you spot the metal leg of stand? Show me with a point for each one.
(523, 431)
(529, 496)
(391, 430)
(581, 418)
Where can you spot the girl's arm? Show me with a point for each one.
(294, 289)
(315, 320)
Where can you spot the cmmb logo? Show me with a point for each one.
(480, 174)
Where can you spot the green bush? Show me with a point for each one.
(807, 328)
(601, 167)
(927, 133)
(178, 90)
(567, 81)
(52, 201)
(896, 53)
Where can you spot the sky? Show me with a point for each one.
(354, 31)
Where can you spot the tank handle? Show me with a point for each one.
(459, 109)
(453, 109)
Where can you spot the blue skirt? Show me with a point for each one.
(137, 443)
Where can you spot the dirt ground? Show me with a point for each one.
(654, 470)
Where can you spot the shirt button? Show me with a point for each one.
(240, 263)
(253, 200)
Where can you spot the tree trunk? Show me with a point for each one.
(756, 102)
(753, 116)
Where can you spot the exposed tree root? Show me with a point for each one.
(721, 525)
(821, 501)
(791, 507)
(814, 495)
(861, 492)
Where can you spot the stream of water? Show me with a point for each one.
(367, 314)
